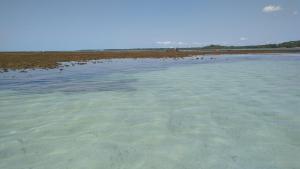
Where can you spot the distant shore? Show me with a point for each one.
(48, 60)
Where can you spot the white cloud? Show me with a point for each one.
(178, 44)
(243, 38)
(295, 13)
(164, 42)
(271, 8)
(181, 43)
(173, 43)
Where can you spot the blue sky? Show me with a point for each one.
(87, 24)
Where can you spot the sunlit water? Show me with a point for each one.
(232, 112)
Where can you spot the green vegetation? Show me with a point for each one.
(291, 44)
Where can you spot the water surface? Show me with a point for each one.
(237, 112)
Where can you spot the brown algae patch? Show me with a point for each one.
(49, 60)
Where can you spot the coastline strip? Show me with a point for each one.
(48, 60)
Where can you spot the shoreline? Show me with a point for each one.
(51, 60)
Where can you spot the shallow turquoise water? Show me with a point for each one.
(237, 112)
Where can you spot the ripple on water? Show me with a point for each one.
(228, 112)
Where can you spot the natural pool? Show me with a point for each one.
(229, 112)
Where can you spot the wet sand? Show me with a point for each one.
(48, 60)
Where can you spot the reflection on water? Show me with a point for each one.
(89, 78)
(212, 112)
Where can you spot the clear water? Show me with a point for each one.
(237, 112)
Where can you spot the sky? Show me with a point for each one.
(40, 25)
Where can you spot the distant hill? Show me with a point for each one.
(290, 44)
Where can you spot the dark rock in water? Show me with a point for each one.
(202, 58)
(61, 69)
(197, 58)
(81, 63)
(234, 158)
(5, 70)
(23, 71)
